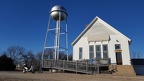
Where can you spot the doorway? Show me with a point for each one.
(119, 58)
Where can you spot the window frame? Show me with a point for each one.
(98, 52)
(91, 52)
(119, 45)
(80, 52)
(105, 52)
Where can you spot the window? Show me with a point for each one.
(117, 46)
(105, 51)
(91, 52)
(98, 51)
(80, 53)
(98, 48)
(105, 47)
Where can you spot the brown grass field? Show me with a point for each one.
(47, 76)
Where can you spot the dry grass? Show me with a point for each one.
(46, 76)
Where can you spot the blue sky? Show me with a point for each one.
(24, 22)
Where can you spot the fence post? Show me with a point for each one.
(63, 65)
(98, 66)
(76, 66)
(51, 65)
(86, 66)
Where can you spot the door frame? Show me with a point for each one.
(119, 60)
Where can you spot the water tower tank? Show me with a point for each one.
(58, 11)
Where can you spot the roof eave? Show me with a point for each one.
(81, 34)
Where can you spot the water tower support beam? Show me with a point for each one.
(42, 57)
(57, 38)
(67, 39)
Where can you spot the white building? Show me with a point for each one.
(100, 40)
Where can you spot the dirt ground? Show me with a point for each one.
(47, 76)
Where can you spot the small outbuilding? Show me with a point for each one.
(138, 65)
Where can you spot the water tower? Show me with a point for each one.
(58, 14)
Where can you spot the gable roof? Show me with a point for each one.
(104, 23)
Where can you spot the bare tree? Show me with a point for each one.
(62, 56)
(14, 52)
(70, 57)
(136, 54)
(139, 55)
(28, 58)
(48, 54)
(39, 55)
(133, 54)
(38, 60)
